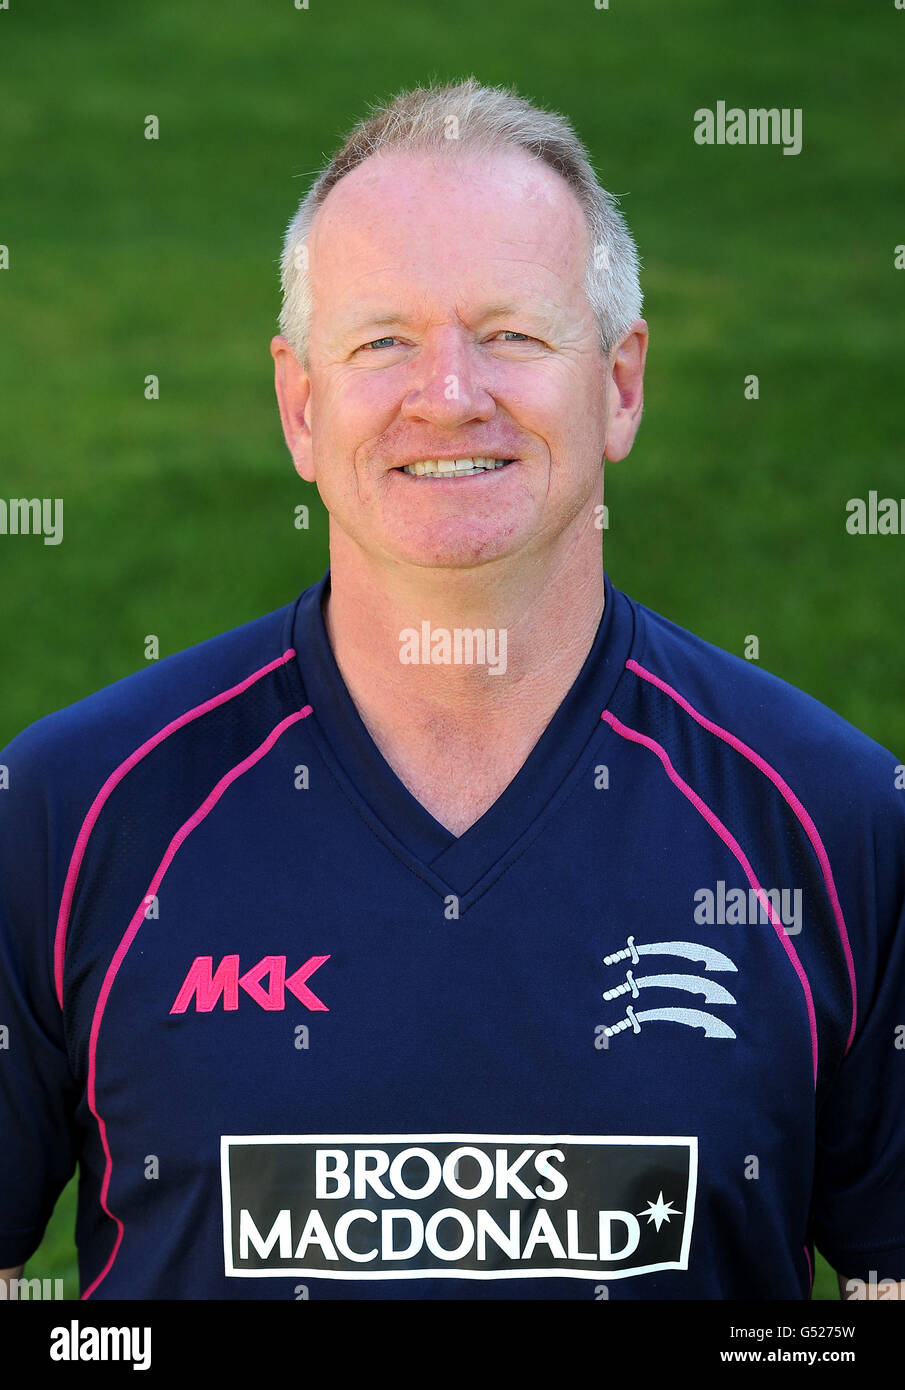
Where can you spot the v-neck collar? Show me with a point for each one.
(460, 862)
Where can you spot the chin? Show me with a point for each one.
(438, 548)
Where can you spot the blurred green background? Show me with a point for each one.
(131, 257)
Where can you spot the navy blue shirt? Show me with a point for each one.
(641, 1026)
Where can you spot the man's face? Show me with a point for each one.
(450, 320)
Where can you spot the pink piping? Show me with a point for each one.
(728, 839)
(810, 1266)
(178, 839)
(786, 791)
(81, 844)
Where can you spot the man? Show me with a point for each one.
(465, 929)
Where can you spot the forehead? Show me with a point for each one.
(434, 224)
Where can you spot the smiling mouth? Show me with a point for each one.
(453, 468)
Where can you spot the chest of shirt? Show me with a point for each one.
(594, 972)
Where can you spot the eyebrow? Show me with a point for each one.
(490, 311)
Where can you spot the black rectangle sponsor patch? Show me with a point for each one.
(454, 1205)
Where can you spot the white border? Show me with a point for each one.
(226, 1140)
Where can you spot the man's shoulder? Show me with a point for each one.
(93, 735)
(789, 734)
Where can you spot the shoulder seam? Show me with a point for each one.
(791, 799)
(113, 781)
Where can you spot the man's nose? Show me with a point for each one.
(447, 387)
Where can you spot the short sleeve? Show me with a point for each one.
(858, 1209)
(38, 1094)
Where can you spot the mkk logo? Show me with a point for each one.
(207, 986)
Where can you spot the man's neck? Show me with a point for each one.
(456, 732)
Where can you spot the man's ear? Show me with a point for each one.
(293, 388)
(625, 385)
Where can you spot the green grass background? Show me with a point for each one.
(130, 257)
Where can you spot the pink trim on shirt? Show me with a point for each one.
(730, 841)
(785, 791)
(113, 781)
(132, 930)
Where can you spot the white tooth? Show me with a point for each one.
(444, 468)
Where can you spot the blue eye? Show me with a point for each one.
(380, 340)
(512, 333)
